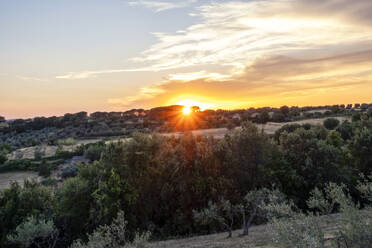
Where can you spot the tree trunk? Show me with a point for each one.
(248, 224)
(244, 223)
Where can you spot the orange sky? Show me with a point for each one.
(220, 54)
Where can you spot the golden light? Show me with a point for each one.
(188, 103)
(186, 110)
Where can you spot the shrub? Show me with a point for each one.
(3, 158)
(69, 171)
(33, 232)
(63, 154)
(331, 123)
(305, 230)
(113, 236)
(44, 169)
(67, 142)
(93, 152)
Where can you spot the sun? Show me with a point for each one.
(186, 110)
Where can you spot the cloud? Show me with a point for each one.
(90, 74)
(159, 6)
(32, 79)
(266, 81)
(237, 33)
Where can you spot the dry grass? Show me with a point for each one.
(7, 178)
(259, 236)
(268, 128)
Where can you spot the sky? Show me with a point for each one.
(68, 56)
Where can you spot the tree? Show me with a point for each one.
(334, 138)
(245, 154)
(224, 212)
(284, 110)
(360, 147)
(331, 123)
(254, 205)
(346, 130)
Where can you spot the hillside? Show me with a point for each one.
(259, 236)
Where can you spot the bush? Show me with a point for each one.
(93, 152)
(3, 158)
(63, 154)
(305, 230)
(33, 232)
(113, 236)
(44, 169)
(69, 171)
(67, 142)
(331, 123)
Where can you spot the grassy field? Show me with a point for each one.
(259, 236)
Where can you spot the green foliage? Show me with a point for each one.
(16, 203)
(159, 180)
(334, 138)
(360, 147)
(3, 158)
(75, 201)
(67, 142)
(304, 230)
(44, 169)
(113, 236)
(41, 233)
(94, 151)
(223, 212)
(331, 123)
(346, 130)
(69, 171)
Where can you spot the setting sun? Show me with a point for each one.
(186, 110)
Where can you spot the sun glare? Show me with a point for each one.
(186, 110)
(188, 103)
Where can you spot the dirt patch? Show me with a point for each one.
(7, 178)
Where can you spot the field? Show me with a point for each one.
(268, 128)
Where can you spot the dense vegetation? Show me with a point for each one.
(41, 130)
(161, 182)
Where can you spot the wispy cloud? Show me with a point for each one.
(90, 74)
(237, 33)
(159, 6)
(25, 78)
